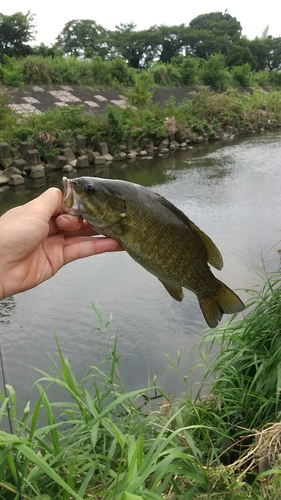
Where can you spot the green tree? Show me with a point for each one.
(15, 33)
(275, 54)
(84, 38)
(240, 54)
(136, 47)
(260, 48)
(171, 41)
(46, 51)
(212, 33)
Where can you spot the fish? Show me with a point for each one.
(158, 236)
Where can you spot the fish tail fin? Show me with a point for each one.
(225, 301)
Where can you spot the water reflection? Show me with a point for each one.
(7, 310)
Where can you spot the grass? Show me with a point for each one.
(102, 442)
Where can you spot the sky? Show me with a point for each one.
(51, 15)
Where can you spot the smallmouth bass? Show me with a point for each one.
(158, 236)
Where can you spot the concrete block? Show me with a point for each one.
(32, 157)
(16, 180)
(102, 148)
(82, 162)
(4, 150)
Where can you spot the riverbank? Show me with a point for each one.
(72, 136)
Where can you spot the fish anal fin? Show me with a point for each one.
(214, 255)
(174, 290)
(225, 301)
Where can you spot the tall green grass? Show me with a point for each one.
(102, 442)
(100, 73)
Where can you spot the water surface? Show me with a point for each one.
(230, 190)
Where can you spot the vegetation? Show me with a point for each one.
(102, 442)
(205, 112)
(206, 35)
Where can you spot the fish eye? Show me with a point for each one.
(89, 188)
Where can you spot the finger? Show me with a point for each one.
(89, 246)
(73, 225)
(50, 201)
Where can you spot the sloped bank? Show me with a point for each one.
(68, 138)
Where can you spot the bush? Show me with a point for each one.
(121, 73)
(215, 74)
(37, 70)
(141, 94)
(242, 75)
(165, 74)
(188, 67)
(12, 72)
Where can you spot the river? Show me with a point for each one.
(230, 190)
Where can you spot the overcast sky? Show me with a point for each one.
(51, 15)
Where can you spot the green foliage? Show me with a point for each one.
(82, 37)
(72, 71)
(36, 70)
(141, 94)
(121, 73)
(203, 111)
(171, 40)
(11, 73)
(166, 74)
(240, 54)
(115, 128)
(215, 74)
(275, 79)
(189, 68)
(15, 33)
(104, 444)
(242, 75)
(213, 33)
(247, 367)
(101, 441)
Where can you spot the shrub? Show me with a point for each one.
(141, 94)
(166, 74)
(12, 72)
(37, 70)
(215, 74)
(188, 67)
(242, 75)
(120, 72)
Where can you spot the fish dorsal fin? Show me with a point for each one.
(214, 255)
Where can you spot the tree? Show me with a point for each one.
(136, 47)
(83, 38)
(171, 41)
(15, 33)
(240, 54)
(261, 48)
(212, 33)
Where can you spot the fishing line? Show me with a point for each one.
(10, 424)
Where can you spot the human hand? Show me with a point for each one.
(36, 242)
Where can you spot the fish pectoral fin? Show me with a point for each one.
(214, 255)
(174, 290)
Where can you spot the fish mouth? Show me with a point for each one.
(71, 199)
